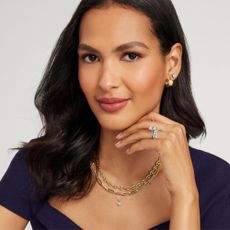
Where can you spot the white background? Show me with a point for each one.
(29, 30)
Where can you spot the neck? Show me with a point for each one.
(122, 168)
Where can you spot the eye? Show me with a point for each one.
(89, 58)
(131, 56)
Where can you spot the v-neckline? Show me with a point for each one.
(75, 225)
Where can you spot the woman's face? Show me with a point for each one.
(121, 69)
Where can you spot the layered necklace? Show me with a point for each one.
(124, 190)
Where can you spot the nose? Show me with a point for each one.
(109, 76)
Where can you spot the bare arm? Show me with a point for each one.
(172, 146)
(185, 214)
(10, 220)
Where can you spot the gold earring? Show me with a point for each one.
(170, 82)
(173, 77)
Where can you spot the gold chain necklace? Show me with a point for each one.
(124, 190)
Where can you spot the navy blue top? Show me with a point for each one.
(212, 176)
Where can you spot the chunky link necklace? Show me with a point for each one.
(124, 190)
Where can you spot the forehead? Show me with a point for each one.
(115, 24)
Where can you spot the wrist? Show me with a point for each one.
(185, 212)
(186, 198)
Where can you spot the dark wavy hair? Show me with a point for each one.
(59, 158)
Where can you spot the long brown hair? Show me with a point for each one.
(59, 159)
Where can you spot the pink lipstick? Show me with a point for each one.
(112, 104)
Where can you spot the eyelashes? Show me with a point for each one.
(128, 56)
(89, 57)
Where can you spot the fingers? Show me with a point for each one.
(144, 144)
(139, 133)
(154, 119)
(175, 126)
(142, 125)
(170, 144)
(137, 139)
(157, 117)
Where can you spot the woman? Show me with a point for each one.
(118, 114)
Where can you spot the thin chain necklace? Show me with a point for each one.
(124, 190)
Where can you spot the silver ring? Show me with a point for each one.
(154, 130)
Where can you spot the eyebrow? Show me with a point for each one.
(120, 48)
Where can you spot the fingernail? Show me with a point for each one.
(128, 151)
(119, 136)
(118, 144)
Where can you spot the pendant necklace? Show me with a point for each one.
(120, 190)
(118, 202)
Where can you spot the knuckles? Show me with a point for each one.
(167, 143)
(179, 129)
(172, 136)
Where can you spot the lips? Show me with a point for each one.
(112, 104)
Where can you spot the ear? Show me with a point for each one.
(173, 61)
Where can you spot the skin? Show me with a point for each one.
(9, 220)
(127, 150)
(126, 142)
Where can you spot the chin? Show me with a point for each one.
(116, 123)
(115, 128)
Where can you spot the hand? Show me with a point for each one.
(172, 147)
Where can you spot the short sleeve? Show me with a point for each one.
(15, 187)
(217, 214)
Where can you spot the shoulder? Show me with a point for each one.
(207, 165)
(18, 164)
(17, 171)
(17, 192)
(212, 175)
(210, 170)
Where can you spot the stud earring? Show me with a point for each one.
(170, 82)
(173, 77)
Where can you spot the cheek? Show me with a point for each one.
(146, 81)
(86, 82)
